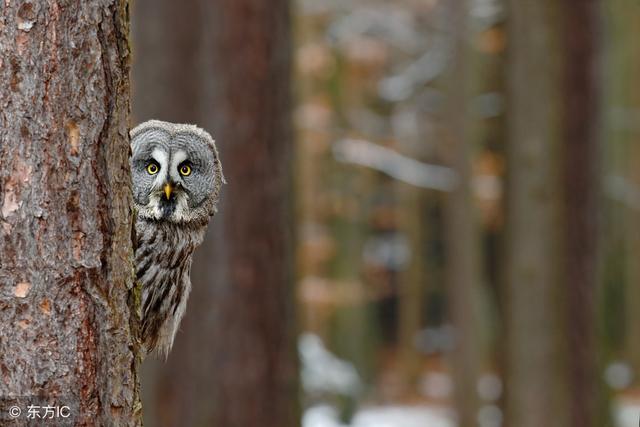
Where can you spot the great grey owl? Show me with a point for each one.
(176, 175)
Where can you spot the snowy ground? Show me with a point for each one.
(324, 373)
(383, 416)
(626, 415)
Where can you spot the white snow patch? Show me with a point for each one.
(322, 371)
(626, 414)
(381, 416)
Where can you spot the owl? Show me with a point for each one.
(176, 178)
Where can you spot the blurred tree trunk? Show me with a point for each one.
(168, 62)
(169, 69)
(551, 240)
(532, 268)
(225, 66)
(65, 256)
(412, 288)
(623, 155)
(581, 185)
(461, 233)
(254, 359)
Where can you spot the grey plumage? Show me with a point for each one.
(176, 175)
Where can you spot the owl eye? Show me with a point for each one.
(152, 168)
(185, 170)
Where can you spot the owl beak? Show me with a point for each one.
(168, 188)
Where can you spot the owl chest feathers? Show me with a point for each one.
(163, 252)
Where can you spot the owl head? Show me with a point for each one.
(176, 172)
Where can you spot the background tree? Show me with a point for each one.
(534, 385)
(553, 192)
(581, 183)
(464, 268)
(65, 223)
(230, 75)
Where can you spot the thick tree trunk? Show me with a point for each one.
(234, 360)
(66, 276)
(168, 66)
(253, 332)
(533, 254)
(552, 257)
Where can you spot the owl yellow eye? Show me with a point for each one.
(152, 168)
(185, 170)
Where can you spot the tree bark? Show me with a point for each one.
(580, 161)
(552, 234)
(532, 269)
(623, 153)
(66, 276)
(254, 331)
(168, 66)
(462, 238)
(234, 360)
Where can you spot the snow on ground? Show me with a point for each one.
(627, 414)
(380, 416)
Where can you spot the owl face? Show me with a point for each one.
(176, 172)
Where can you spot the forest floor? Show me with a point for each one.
(382, 416)
(393, 403)
(626, 414)
(626, 409)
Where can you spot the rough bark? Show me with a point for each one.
(66, 276)
(234, 360)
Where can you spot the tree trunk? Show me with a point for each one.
(580, 161)
(534, 394)
(234, 360)
(65, 223)
(552, 258)
(534, 386)
(168, 66)
(461, 233)
(254, 351)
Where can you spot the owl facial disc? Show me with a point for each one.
(176, 172)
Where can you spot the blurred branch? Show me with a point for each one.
(395, 165)
(414, 172)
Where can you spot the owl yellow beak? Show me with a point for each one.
(168, 188)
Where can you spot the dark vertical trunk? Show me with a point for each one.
(168, 71)
(254, 353)
(234, 360)
(581, 190)
(66, 297)
(168, 67)
(552, 281)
